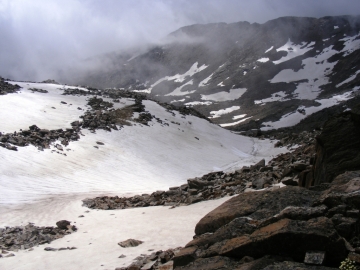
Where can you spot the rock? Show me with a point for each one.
(259, 183)
(198, 184)
(237, 227)
(62, 224)
(50, 249)
(266, 169)
(257, 205)
(166, 266)
(50, 81)
(314, 257)
(122, 256)
(299, 166)
(302, 213)
(130, 243)
(9, 255)
(338, 147)
(354, 257)
(184, 256)
(258, 165)
(314, 234)
(148, 266)
(289, 181)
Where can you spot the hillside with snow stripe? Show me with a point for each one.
(137, 158)
(284, 64)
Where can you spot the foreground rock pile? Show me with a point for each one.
(289, 169)
(287, 224)
(7, 88)
(26, 237)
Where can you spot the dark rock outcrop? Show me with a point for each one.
(25, 237)
(282, 228)
(255, 205)
(338, 147)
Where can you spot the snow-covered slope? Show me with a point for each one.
(136, 158)
(269, 70)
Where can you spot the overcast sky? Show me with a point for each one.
(40, 37)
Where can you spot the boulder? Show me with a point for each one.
(63, 224)
(184, 256)
(291, 238)
(258, 165)
(198, 184)
(256, 205)
(237, 227)
(130, 243)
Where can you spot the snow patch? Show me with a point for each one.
(263, 60)
(268, 50)
(239, 116)
(315, 71)
(178, 92)
(180, 100)
(278, 96)
(351, 44)
(295, 117)
(235, 123)
(217, 114)
(225, 96)
(194, 103)
(205, 81)
(349, 79)
(181, 77)
(293, 50)
(133, 57)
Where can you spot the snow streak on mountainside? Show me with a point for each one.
(136, 158)
(269, 70)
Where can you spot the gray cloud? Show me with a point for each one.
(52, 38)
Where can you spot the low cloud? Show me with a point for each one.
(52, 39)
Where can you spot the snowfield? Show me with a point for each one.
(135, 159)
(44, 186)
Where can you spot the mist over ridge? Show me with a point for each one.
(42, 40)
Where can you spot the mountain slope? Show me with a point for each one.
(245, 75)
